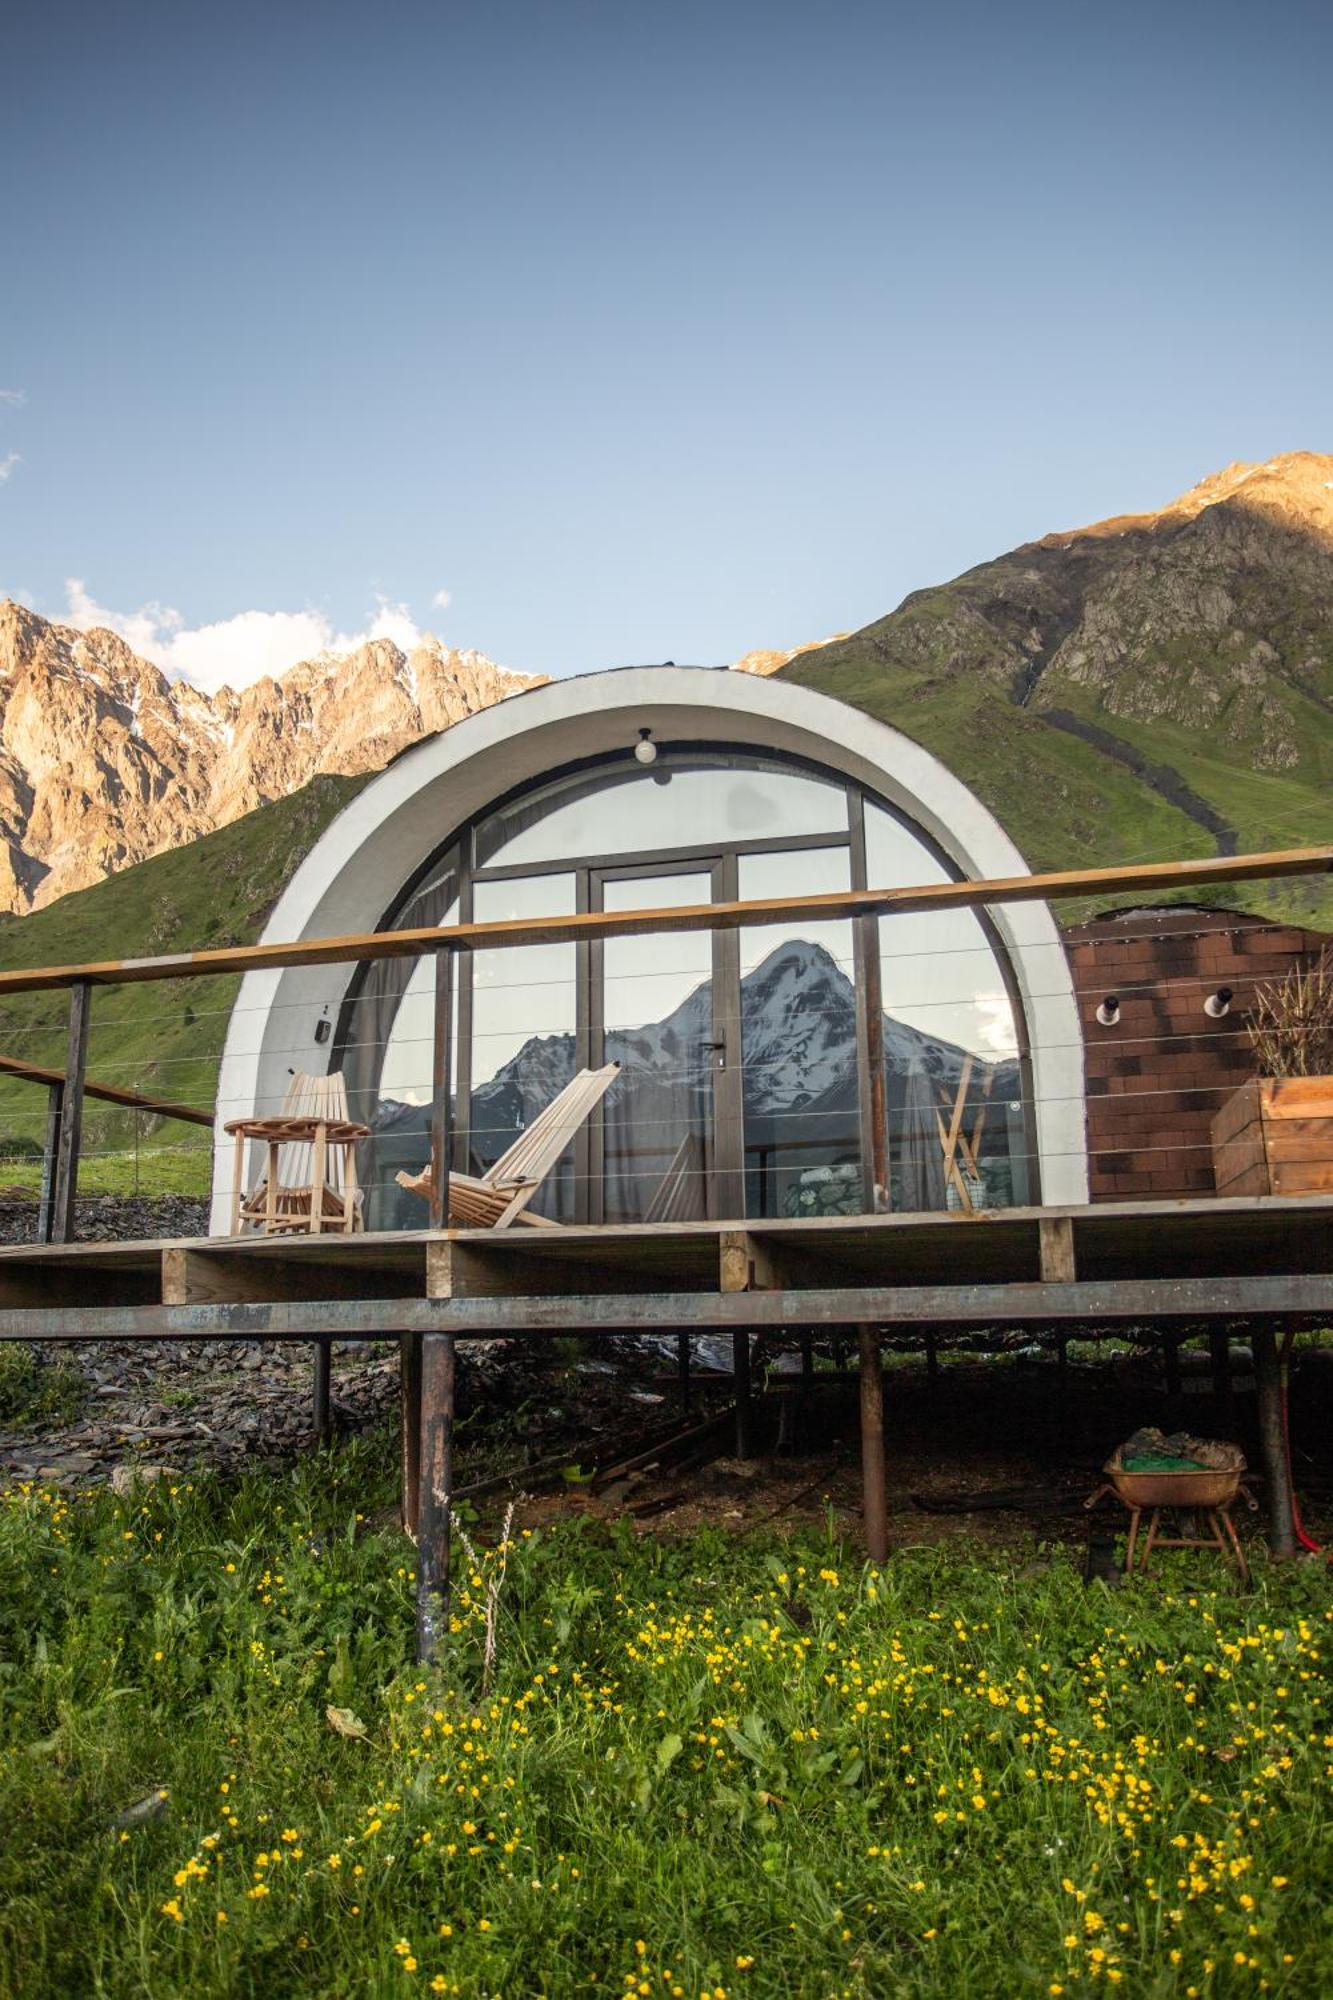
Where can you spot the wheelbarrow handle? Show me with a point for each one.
(1101, 1493)
(1246, 1492)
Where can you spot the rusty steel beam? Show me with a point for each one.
(1101, 1303)
(729, 916)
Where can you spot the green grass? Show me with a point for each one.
(707, 1767)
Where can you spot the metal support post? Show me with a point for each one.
(409, 1418)
(1273, 1443)
(874, 1484)
(740, 1362)
(323, 1374)
(441, 1134)
(71, 1115)
(437, 1479)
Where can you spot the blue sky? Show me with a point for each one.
(640, 332)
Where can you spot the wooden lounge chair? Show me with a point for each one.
(501, 1195)
(309, 1181)
(679, 1196)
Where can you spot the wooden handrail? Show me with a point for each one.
(109, 1093)
(1146, 876)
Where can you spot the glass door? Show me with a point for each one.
(798, 1012)
(654, 1010)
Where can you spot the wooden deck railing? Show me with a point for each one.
(446, 942)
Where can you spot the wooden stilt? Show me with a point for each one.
(683, 1369)
(409, 1407)
(323, 1383)
(1171, 1365)
(66, 1177)
(932, 1362)
(873, 1479)
(436, 1450)
(740, 1361)
(1273, 1443)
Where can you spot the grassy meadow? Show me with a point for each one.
(715, 1766)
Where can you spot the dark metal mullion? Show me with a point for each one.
(872, 1094)
(462, 1123)
(589, 1053)
(664, 860)
(728, 1178)
(441, 1125)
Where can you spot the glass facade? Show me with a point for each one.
(743, 1086)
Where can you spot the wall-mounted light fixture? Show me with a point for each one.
(323, 1029)
(1217, 1004)
(645, 749)
(1109, 1011)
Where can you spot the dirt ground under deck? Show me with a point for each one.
(1001, 1449)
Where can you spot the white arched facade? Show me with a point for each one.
(378, 844)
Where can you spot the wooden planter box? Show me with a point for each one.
(1275, 1136)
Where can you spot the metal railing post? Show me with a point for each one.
(71, 1115)
(46, 1203)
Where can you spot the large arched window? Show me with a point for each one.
(744, 1086)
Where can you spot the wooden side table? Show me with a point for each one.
(297, 1208)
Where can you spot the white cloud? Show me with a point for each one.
(7, 464)
(234, 651)
(442, 600)
(15, 398)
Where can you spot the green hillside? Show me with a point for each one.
(1152, 689)
(163, 1039)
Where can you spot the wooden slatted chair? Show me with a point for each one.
(501, 1195)
(312, 1140)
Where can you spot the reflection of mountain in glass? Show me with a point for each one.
(798, 1027)
(798, 1032)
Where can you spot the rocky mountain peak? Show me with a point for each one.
(104, 761)
(1295, 487)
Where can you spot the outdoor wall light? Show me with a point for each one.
(645, 749)
(1109, 1011)
(323, 1029)
(1217, 1004)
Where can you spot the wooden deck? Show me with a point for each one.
(1111, 1264)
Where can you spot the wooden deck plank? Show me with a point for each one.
(1128, 1242)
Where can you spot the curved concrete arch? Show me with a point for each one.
(376, 844)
